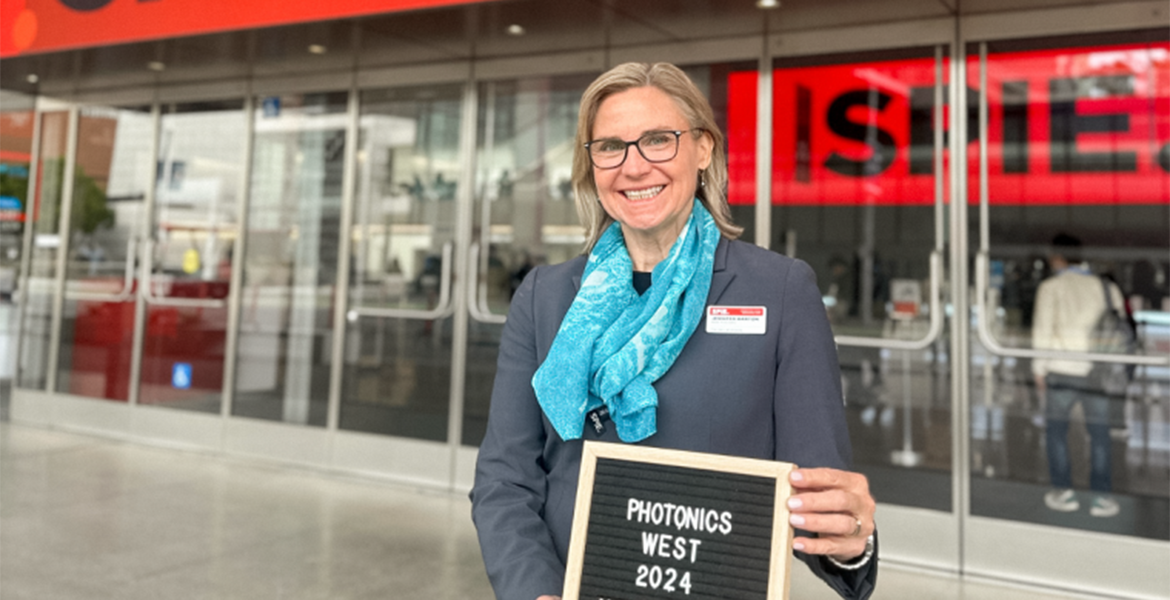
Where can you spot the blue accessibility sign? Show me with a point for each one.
(181, 376)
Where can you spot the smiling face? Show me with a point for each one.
(652, 201)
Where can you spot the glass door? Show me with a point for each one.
(47, 178)
(113, 166)
(1073, 199)
(525, 214)
(859, 192)
(290, 263)
(187, 254)
(400, 326)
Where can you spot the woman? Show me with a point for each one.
(618, 339)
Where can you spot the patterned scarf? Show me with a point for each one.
(613, 344)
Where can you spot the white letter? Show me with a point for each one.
(631, 507)
(712, 521)
(694, 548)
(649, 541)
(669, 512)
(680, 548)
(664, 545)
(643, 512)
(656, 513)
(725, 528)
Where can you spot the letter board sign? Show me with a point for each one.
(656, 523)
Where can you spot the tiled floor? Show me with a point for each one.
(89, 518)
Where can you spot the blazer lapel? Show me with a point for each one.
(721, 277)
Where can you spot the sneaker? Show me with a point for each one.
(1062, 500)
(1104, 506)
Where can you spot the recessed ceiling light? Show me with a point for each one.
(768, 3)
(32, 78)
(155, 65)
(317, 49)
(515, 29)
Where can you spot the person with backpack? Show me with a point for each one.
(1069, 306)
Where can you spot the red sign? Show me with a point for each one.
(30, 26)
(1077, 126)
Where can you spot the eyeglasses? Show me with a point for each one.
(655, 147)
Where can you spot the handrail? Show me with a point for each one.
(982, 265)
(444, 307)
(476, 305)
(936, 318)
(148, 292)
(127, 291)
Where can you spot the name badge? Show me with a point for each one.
(737, 320)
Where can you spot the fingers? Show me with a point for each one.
(830, 490)
(843, 549)
(827, 478)
(835, 505)
(835, 524)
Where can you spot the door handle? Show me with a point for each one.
(148, 291)
(127, 291)
(443, 307)
(476, 303)
(936, 318)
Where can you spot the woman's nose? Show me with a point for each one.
(635, 164)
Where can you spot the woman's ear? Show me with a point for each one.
(706, 146)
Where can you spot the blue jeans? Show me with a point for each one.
(1064, 392)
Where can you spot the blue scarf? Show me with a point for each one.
(613, 344)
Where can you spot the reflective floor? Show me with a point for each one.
(89, 518)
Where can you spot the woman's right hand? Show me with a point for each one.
(547, 597)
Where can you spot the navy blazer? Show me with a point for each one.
(771, 396)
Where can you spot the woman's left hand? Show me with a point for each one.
(837, 506)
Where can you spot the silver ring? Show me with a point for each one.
(857, 530)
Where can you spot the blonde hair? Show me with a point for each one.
(694, 107)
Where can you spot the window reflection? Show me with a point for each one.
(109, 190)
(192, 235)
(1076, 139)
(398, 354)
(290, 266)
(33, 368)
(853, 193)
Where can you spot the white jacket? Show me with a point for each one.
(1068, 305)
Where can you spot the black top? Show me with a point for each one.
(642, 282)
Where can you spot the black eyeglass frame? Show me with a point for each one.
(626, 151)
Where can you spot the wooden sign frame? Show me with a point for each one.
(780, 558)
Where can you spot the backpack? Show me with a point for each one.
(1112, 334)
